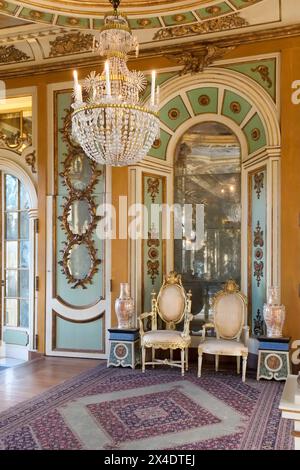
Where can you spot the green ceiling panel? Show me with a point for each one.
(9, 7)
(160, 150)
(235, 107)
(213, 11)
(204, 100)
(255, 134)
(243, 3)
(72, 21)
(174, 113)
(35, 15)
(144, 23)
(98, 23)
(262, 71)
(179, 18)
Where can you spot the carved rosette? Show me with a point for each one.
(80, 192)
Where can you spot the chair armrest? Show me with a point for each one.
(141, 318)
(245, 335)
(204, 327)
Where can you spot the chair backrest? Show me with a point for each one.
(171, 300)
(230, 313)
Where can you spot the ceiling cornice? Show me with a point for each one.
(197, 45)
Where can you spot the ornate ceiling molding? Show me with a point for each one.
(197, 61)
(218, 24)
(71, 43)
(10, 54)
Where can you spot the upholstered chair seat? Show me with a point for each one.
(230, 324)
(167, 338)
(173, 306)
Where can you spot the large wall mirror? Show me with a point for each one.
(208, 171)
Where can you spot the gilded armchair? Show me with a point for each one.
(173, 306)
(230, 324)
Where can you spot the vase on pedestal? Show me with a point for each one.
(124, 307)
(274, 314)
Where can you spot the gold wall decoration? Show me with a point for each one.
(153, 188)
(210, 26)
(264, 72)
(72, 43)
(30, 159)
(9, 54)
(259, 183)
(79, 213)
(195, 62)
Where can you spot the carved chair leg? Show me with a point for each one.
(217, 362)
(244, 368)
(182, 362)
(186, 358)
(171, 356)
(199, 363)
(143, 358)
(153, 357)
(238, 364)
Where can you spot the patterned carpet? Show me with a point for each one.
(124, 409)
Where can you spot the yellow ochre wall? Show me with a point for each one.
(290, 180)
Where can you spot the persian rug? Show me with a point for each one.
(125, 409)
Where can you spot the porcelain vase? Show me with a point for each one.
(274, 314)
(124, 307)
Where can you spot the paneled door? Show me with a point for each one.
(17, 264)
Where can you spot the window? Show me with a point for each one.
(16, 252)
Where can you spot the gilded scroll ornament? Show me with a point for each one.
(9, 54)
(71, 43)
(210, 26)
(259, 183)
(264, 72)
(153, 188)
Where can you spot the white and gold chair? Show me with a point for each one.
(173, 306)
(230, 324)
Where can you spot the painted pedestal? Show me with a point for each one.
(124, 348)
(290, 408)
(273, 358)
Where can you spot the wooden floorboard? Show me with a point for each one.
(26, 381)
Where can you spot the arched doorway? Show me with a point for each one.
(207, 174)
(18, 215)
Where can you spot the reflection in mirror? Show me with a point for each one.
(208, 172)
(79, 261)
(79, 216)
(80, 172)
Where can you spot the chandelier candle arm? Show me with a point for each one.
(112, 125)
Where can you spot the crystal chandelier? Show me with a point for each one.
(108, 121)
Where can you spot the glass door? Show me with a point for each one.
(15, 254)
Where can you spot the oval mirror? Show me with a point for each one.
(79, 217)
(79, 261)
(80, 172)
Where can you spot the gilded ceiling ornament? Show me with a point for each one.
(143, 22)
(210, 26)
(204, 100)
(10, 54)
(195, 62)
(72, 43)
(156, 144)
(214, 10)
(235, 107)
(264, 72)
(255, 134)
(174, 114)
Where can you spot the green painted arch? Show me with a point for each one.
(253, 120)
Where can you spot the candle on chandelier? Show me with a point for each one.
(77, 87)
(153, 88)
(108, 87)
